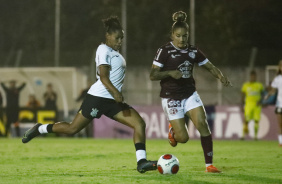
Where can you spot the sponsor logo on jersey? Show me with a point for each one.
(186, 69)
(173, 103)
(94, 112)
(175, 55)
(192, 55)
(170, 51)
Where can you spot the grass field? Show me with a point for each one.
(72, 160)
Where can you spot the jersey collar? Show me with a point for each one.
(178, 48)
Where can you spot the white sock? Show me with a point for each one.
(43, 129)
(140, 154)
(280, 138)
(207, 165)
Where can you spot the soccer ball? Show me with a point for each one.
(168, 164)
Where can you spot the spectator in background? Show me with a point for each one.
(33, 103)
(12, 108)
(83, 93)
(277, 88)
(50, 98)
(252, 92)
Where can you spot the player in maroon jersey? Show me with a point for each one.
(173, 66)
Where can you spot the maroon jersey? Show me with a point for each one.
(169, 57)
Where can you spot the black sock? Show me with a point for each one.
(140, 146)
(207, 146)
(50, 128)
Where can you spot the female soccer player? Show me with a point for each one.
(105, 97)
(277, 87)
(173, 66)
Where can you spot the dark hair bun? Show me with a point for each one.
(112, 24)
(179, 16)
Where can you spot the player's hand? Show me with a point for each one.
(225, 81)
(118, 97)
(176, 74)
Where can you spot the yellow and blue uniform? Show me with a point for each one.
(253, 92)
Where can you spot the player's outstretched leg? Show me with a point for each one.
(31, 133)
(146, 165)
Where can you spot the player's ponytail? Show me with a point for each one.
(179, 19)
(112, 24)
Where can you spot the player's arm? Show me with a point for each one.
(271, 92)
(21, 86)
(104, 71)
(157, 74)
(217, 73)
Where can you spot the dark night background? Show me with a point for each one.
(226, 30)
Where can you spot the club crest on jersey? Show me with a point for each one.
(192, 55)
(173, 111)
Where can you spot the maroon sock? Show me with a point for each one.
(207, 148)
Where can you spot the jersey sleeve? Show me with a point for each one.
(103, 56)
(274, 83)
(160, 57)
(201, 59)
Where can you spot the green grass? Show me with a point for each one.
(67, 160)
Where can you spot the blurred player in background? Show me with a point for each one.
(173, 66)
(277, 88)
(252, 93)
(105, 98)
(12, 109)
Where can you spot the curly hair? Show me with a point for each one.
(112, 24)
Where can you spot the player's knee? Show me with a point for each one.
(181, 137)
(141, 124)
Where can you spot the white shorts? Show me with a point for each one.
(176, 109)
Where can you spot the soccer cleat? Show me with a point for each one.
(31, 133)
(212, 169)
(171, 139)
(147, 166)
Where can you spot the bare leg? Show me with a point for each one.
(245, 129)
(180, 131)
(198, 117)
(132, 119)
(256, 127)
(279, 118)
(75, 126)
